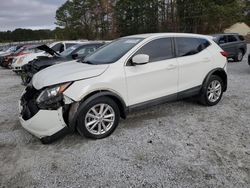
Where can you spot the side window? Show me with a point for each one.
(158, 50)
(232, 38)
(58, 47)
(222, 40)
(204, 43)
(190, 46)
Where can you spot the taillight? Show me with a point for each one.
(225, 54)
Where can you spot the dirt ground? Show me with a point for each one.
(180, 144)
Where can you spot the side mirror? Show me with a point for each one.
(74, 56)
(140, 59)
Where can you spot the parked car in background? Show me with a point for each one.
(26, 49)
(75, 52)
(61, 46)
(8, 52)
(234, 44)
(57, 47)
(128, 74)
(248, 59)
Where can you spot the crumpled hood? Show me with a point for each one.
(66, 72)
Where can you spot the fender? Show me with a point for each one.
(78, 106)
(218, 71)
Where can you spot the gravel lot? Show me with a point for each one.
(180, 144)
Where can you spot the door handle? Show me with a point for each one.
(171, 66)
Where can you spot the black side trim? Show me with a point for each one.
(189, 93)
(153, 102)
(56, 136)
(181, 95)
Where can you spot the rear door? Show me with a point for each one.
(194, 61)
(156, 79)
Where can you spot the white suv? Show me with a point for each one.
(132, 72)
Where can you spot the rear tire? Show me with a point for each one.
(212, 91)
(98, 118)
(239, 56)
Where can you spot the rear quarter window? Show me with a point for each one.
(241, 38)
(187, 46)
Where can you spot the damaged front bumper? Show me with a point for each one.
(46, 124)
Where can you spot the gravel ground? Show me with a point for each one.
(180, 144)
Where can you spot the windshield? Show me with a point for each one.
(19, 50)
(69, 50)
(113, 51)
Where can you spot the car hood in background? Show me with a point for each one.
(42, 62)
(48, 50)
(66, 72)
(5, 54)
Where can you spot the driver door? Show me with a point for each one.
(156, 79)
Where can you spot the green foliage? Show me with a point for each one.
(86, 18)
(112, 18)
(133, 16)
(109, 19)
(25, 35)
(209, 16)
(247, 12)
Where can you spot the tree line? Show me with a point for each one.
(109, 19)
(26, 35)
(113, 18)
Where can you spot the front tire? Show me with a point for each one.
(25, 79)
(98, 119)
(212, 91)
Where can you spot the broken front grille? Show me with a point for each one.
(28, 103)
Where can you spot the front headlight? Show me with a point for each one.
(52, 93)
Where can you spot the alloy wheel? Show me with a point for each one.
(100, 119)
(214, 91)
(240, 56)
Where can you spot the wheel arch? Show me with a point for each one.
(218, 72)
(243, 50)
(76, 107)
(101, 93)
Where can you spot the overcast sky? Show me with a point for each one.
(33, 14)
